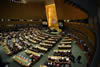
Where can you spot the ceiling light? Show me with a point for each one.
(19, 1)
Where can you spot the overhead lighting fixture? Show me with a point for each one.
(8, 19)
(19, 1)
(2, 19)
(68, 20)
(24, 1)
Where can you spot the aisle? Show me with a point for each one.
(76, 51)
(45, 57)
(12, 63)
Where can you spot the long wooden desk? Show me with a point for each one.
(66, 37)
(13, 40)
(33, 41)
(56, 59)
(41, 48)
(7, 50)
(44, 44)
(49, 41)
(64, 46)
(17, 44)
(32, 52)
(26, 43)
(42, 37)
(58, 50)
(65, 42)
(22, 61)
(26, 37)
(20, 38)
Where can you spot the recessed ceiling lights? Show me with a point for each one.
(19, 1)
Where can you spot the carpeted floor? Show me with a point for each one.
(76, 51)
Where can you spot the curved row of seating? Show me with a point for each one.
(42, 47)
(33, 42)
(80, 42)
(61, 57)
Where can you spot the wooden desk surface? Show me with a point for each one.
(21, 60)
(34, 53)
(17, 44)
(13, 40)
(64, 45)
(57, 57)
(20, 38)
(46, 44)
(58, 50)
(42, 48)
(7, 50)
(66, 42)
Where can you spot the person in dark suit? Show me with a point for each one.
(73, 58)
(78, 59)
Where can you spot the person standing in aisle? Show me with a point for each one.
(72, 58)
(78, 59)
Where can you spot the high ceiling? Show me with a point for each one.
(26, 1)
(34, 0)
(98, 3)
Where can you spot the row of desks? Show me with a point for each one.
(21, 60)
(5, 48)
(44, 46)
(41, 47)
(60, 55)
(32, 53)
(64, 48)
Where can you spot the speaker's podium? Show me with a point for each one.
(55, 30)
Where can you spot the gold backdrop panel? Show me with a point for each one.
(52, 16)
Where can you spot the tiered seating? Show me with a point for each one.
(50, 42)
(61, 56)
(18, 45)
(64, 48)
(6, 47)
(27, 44)
(7, 50)
(44, 45)
(15, 46)
(23, 41)
(81, 43)
(35, 37)
(36, 44)
(11, 43)
(34, 55)
(58, 60)
(39, 49)
(35, 51)
(62, 52)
